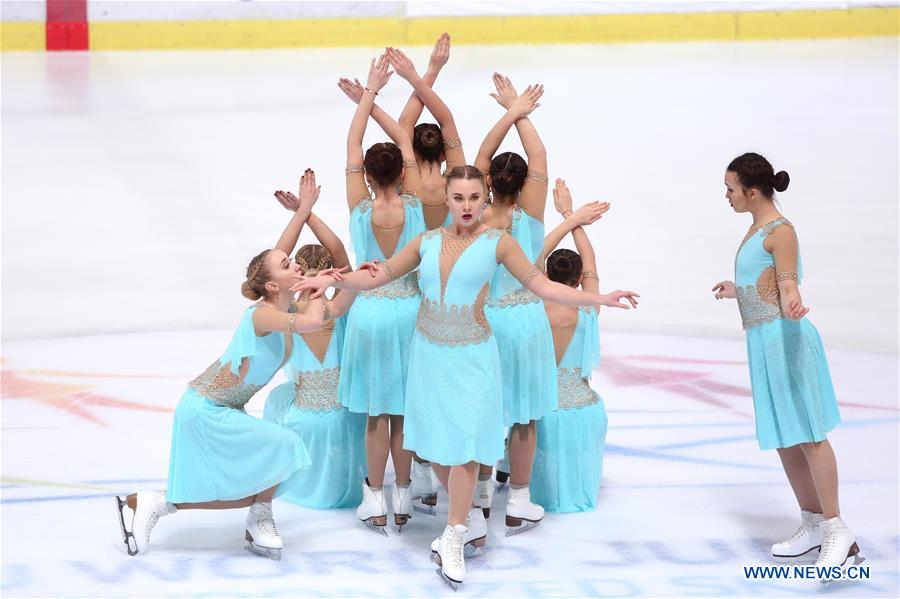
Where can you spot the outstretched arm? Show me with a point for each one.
(413, 109)
(356, 182)
(302, 208)
(517, 107)
(511, 255)
(405, 68)
(411, 180)
(365, 279)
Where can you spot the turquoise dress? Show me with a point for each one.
(523, 334)
(453, 406)
(793, 396)
(381, 322)
(335, 437)
(570, 441)
(219, 452)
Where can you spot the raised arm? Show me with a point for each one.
(511, 255)
(356, 182)
(412, 182)
(302, 208)
(413, 109)
(784, 248)
(533, 197)
(404, 67)
(517, 107)
(330, 241)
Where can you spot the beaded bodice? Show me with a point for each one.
(581, 356)
(755, 279)
(506, 290)
(453, 275)
(314, 367)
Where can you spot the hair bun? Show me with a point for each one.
(429, 138)
(249, 292)
(781, 180)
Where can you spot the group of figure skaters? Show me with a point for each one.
(462, 340)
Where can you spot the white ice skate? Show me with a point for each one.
(261, 534)
(807, 537)
(838, 545)
(521, 513)
(502, 468)
(373, 509)
(423, 489)
(147, 508)
(475, 537)
(449, 555)
(484, 495)
(401, 501)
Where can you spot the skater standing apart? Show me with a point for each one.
(793, 396)
(308, 403)
(570, 440)
(381, 323)
(517, 317)
(453, 408)
(433, 143)
(222, 458)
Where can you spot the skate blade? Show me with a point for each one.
(453, 584)
(263, 551)
(400, 520)
(474, 545)
(814, 547)
(518, 529)
(127, 535)
(379, 528)
(425, 510)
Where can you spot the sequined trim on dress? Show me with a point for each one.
(573, 390)
(517, 298)
(452, 325)
(760, 303)
(221, 386)
(316, 390)
(407, 286)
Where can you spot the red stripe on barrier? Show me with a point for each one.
(67, 26)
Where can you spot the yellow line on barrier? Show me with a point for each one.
(554, 29)
(22, 36)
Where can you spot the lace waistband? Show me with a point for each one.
(755, 309)
(574, 391)
(316, 390)
(407, 286)
(516, 298)
(452, 325)
(221, 386)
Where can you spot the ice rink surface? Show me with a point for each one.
(136, 186)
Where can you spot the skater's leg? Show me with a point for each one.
(461, 487)
(262, 497)
(402, 458)
(522, 445)
(798, 473)
(823, 470)
(443, 474)
(485, 471)
(377, 448)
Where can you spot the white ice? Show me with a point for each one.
(136, 185)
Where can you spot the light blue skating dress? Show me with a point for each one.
(219, 452)
(453, 405)
(792, 392)
(335, 437)
(570, 440)
(523, 334)
(381, 322)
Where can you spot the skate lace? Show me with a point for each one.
(802, 530)
(154, 518)
(266, 522)
(827, 544)
(455, 549)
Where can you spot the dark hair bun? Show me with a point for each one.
(428, 142)
(508, 173)
(781, 180)
(564, 266)
(384, 163)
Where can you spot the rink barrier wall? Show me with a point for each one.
(487, 30)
